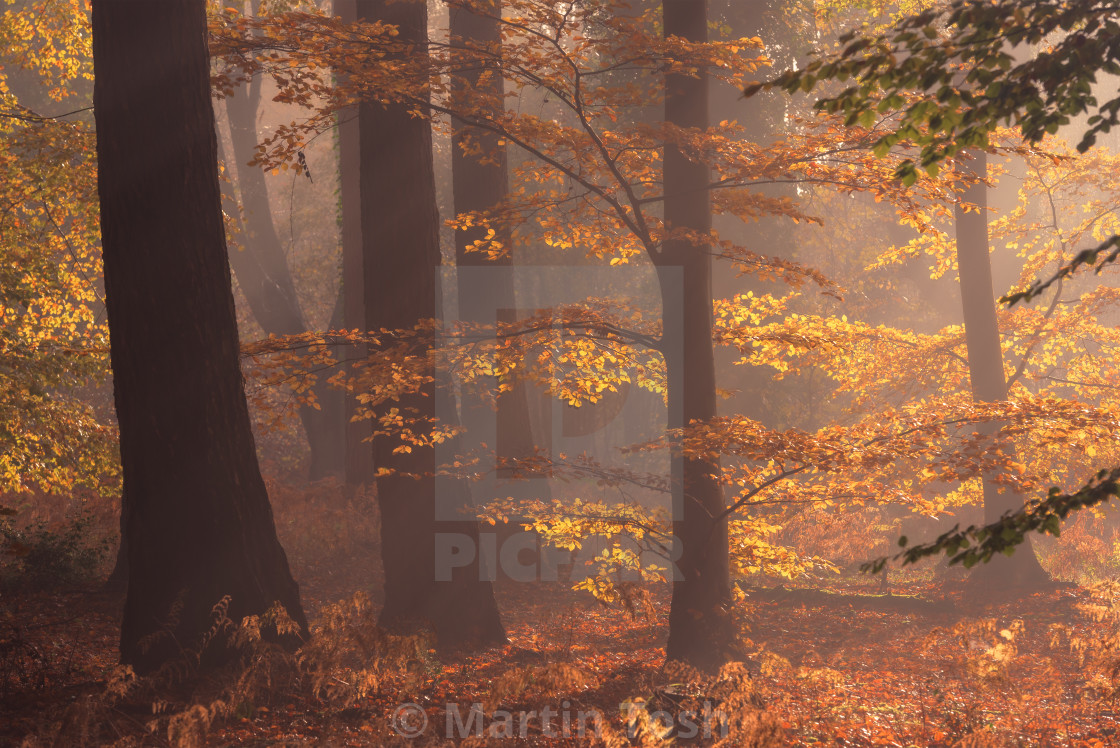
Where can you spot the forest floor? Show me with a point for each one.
(830, 664)
(829, 660)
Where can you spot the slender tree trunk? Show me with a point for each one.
(985, 369)
(263, 274)
(199, 528)
(359, 457)
(333, 423)
(477, 186)
(698, 623)
(400, 230)
(277, 307)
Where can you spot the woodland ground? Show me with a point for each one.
(832, 661)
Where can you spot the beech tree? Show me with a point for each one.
(480, 183)
(593, 179)
(201, 541)
(702, 588)
(359, 457)
(52, 331)
(985, 363)
(401, 255)
(951, 75)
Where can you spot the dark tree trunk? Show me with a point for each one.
(118, 577)
(985, 369)
(199, 526)
(400, 234)
(477, 186)
(359, 458)
(333, 421)
(698, 620)
(262, 272)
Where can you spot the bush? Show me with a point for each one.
(40, 555)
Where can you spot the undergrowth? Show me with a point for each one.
(349, 658)
(46, 556)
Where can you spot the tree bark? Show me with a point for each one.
(698, 622)
(985, 369)
(477, 185)
(199, 527)
(118, 577)
(359, 457)
(400, 234)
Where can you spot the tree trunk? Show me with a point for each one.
(698, 620)
(271, 288)
(199, 527)
(263, 274)
(477, 186)
(985, 369)
(118, 577)
(400, 234)
(359, 457)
